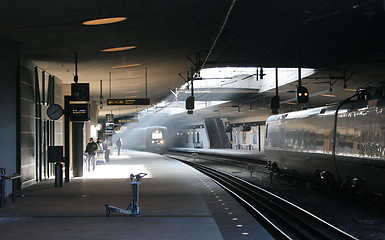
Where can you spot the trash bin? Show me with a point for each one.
(58, 174)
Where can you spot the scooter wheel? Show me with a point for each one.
(137, 214)
(108, 211)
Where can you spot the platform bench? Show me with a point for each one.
(12, 178)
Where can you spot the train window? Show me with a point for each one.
(157, 134)
(267, 127)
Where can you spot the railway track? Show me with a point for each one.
(283, 219)
(255, 165)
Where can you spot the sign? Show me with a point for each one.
(109, 118)
(80, 91)
(132, 101)
(109, 128)
(125, 120)
(79, 112)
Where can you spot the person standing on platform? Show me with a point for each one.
(91, 149)
(119, 144)
(100, 144)
(106, 151)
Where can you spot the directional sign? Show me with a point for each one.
(132, 101)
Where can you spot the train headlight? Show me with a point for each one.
(161, 141)
(153, 141)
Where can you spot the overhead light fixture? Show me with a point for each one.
(103, 21)
(350, 90)
(129, 77)
(328, 95)
(132, 92)
(118, 49)
(126, 66)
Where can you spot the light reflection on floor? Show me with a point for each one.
(117, 171)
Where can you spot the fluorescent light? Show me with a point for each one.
(129, 77)
(126, 66)
(328, 95)
(103, 21)
(132, 92)
(118, 49)
(350, 90)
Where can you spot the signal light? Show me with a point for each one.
(302, 94)
(190, 105)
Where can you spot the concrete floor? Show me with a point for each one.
(176, 201)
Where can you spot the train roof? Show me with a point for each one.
(326, 110)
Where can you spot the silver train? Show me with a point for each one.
(342, 144)
(150, 139)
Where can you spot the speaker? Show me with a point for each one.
(80, 91)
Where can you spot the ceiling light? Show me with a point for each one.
(328, 95)
(350, 90)
(104, 21)
(126, 66)
(118, 49)
(132, 91)
(129, 77)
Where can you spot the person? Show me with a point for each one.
(106, 151)
(91, 149)
(100, 144)
(119, 144)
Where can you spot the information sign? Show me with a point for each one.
(126, 101)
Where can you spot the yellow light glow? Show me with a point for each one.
(132, 92)
(129, 77)
(291, 103)
(103, 21)
(126, 66)
(328, 95)
(118, 49)
(350, 90)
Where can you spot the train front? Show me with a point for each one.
(157, 139)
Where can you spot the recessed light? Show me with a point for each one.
(350, 90)
(103, 21)
(118, 49)
(129, 77)
(132, 92)
(328, 95)
(127, 66)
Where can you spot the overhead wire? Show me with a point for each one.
(219, 34)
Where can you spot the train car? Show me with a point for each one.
(150, 139)
(342, 144)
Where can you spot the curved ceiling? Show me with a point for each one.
(317, 34)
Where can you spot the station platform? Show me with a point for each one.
(176, 201)
(227, 152)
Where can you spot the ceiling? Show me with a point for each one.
(338, 38)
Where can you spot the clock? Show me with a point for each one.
(54, 111)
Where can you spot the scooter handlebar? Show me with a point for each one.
(137, 176)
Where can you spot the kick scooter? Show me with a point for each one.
(133, 207)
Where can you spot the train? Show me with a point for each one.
(339, 145)
(150, 139)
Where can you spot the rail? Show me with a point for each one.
(282, 218)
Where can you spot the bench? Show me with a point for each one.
(12, 178)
